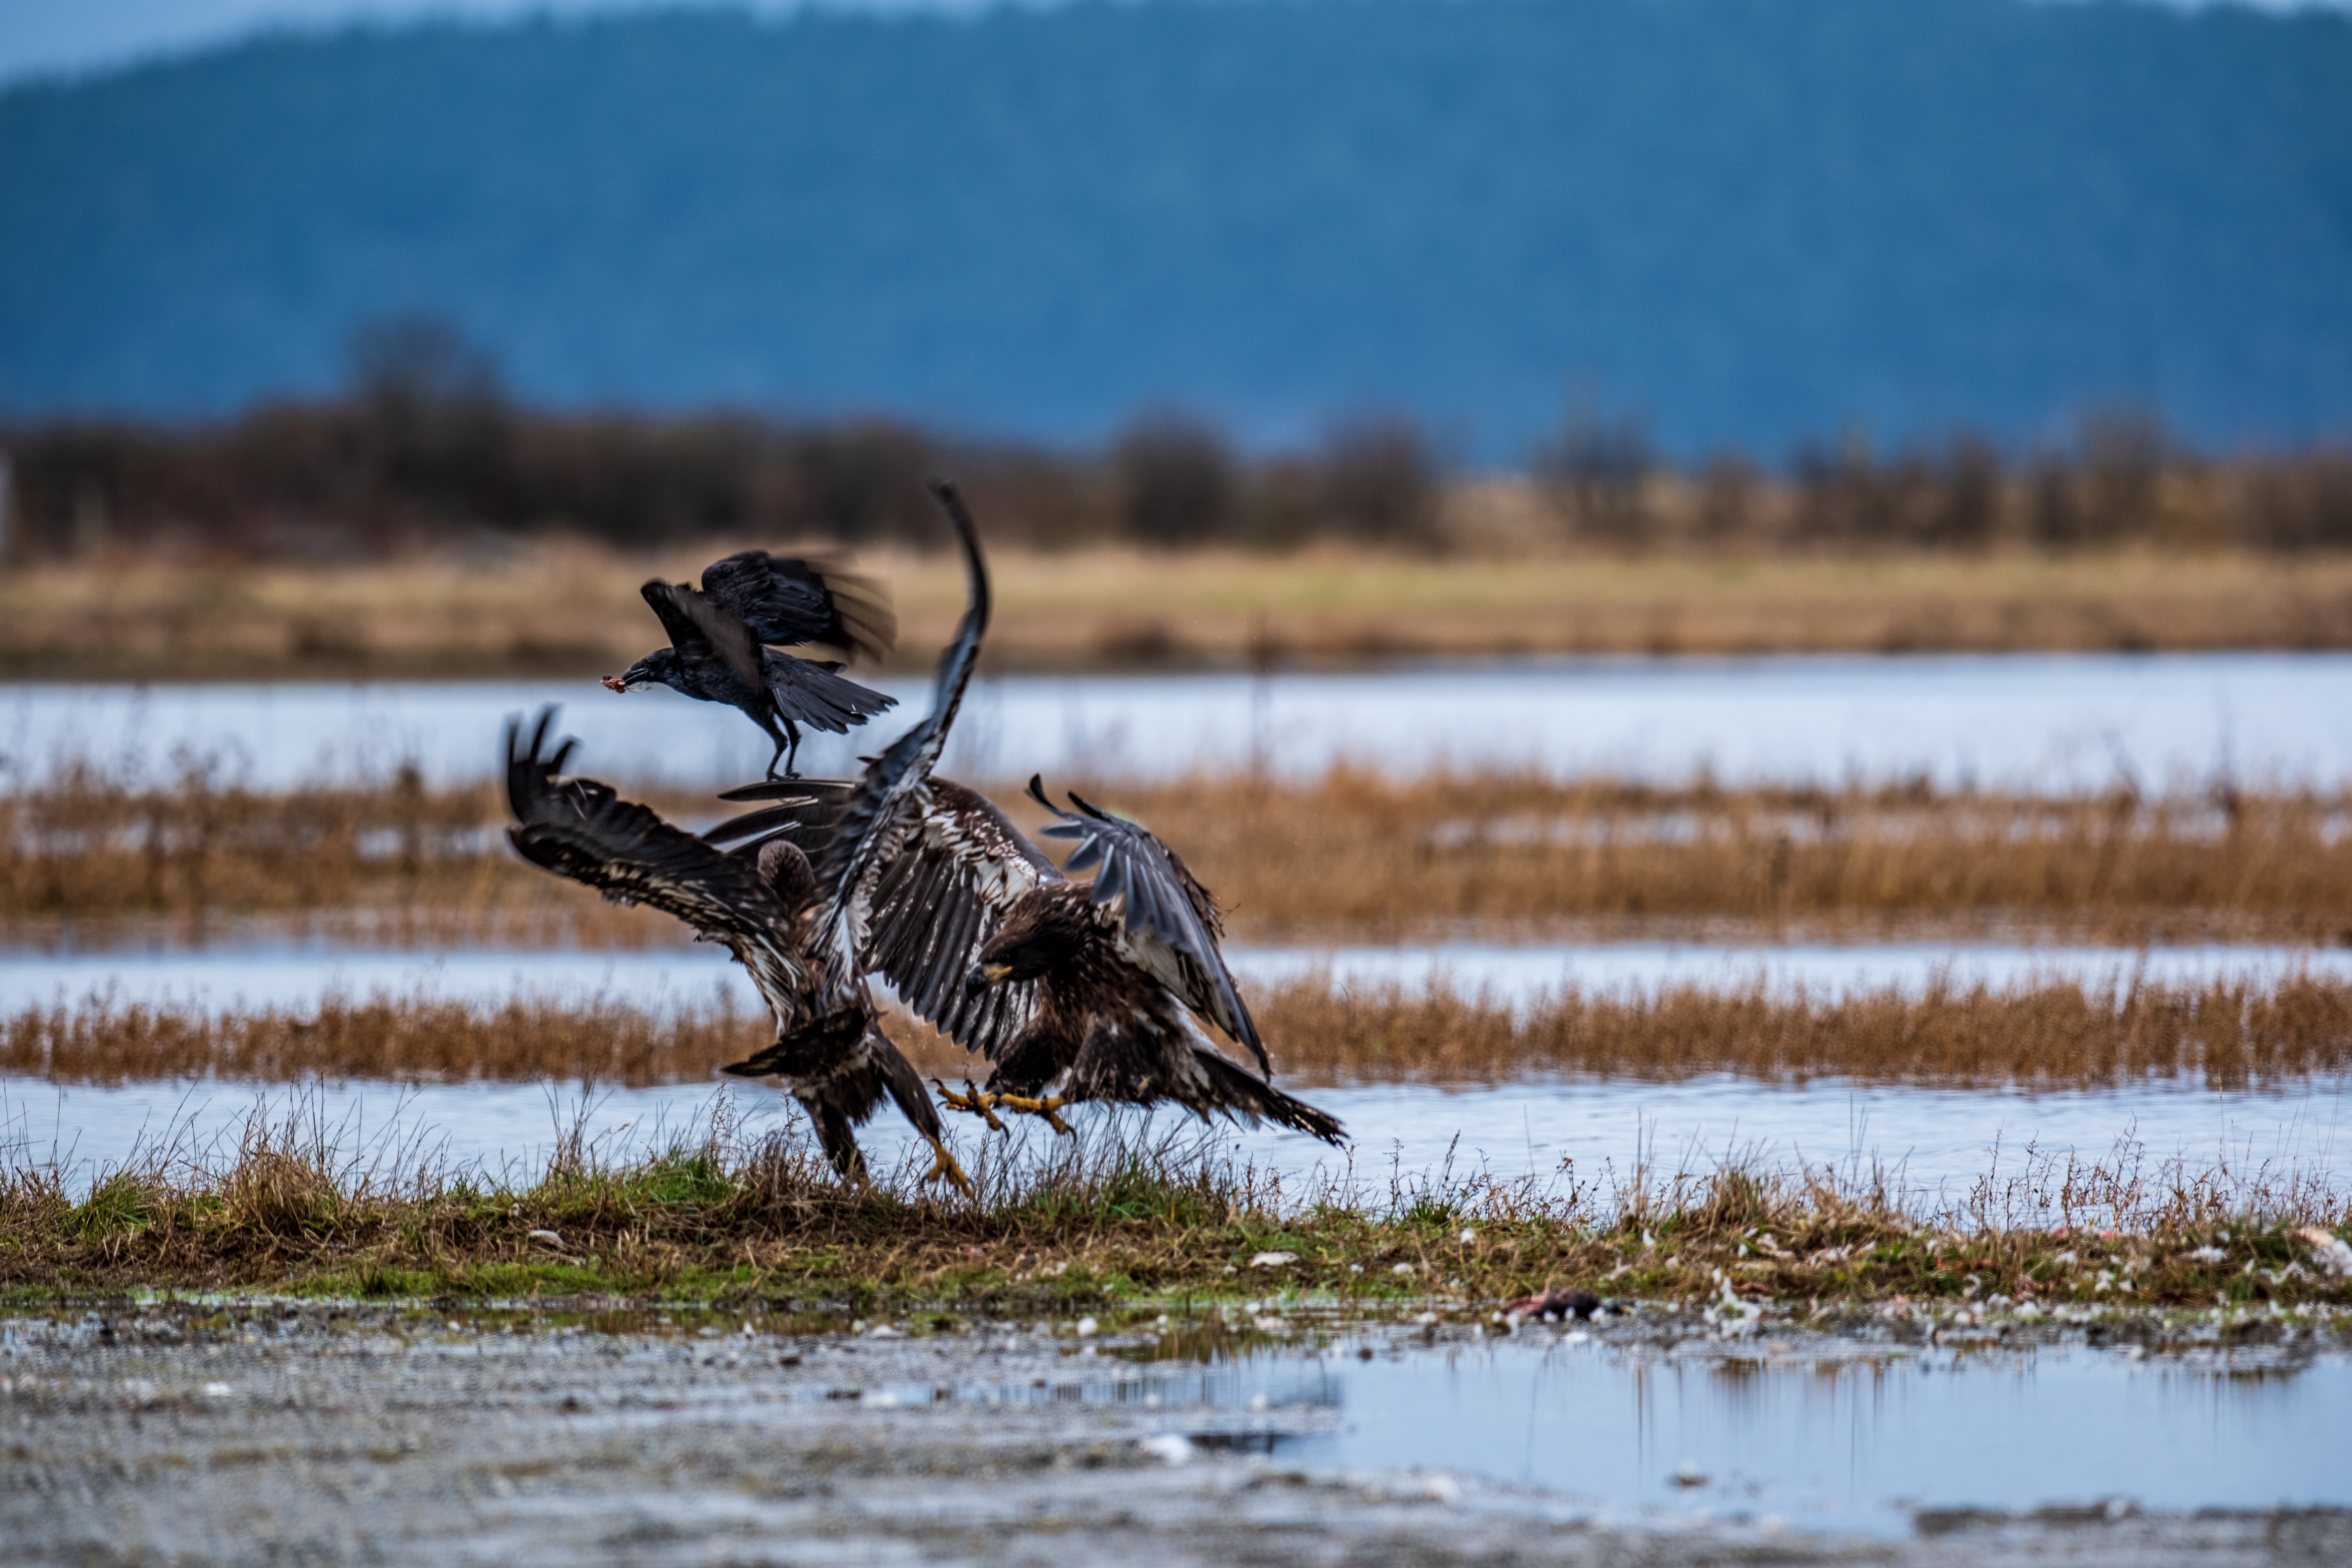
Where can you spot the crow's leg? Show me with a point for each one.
(793, 755)
(769, 724)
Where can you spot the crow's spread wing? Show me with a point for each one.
(787, 600)
(1170, 923)
(579, 829)
(700, 630)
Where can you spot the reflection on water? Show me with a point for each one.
(2051, 721)
(297, 973)
(1839, 1441)
(1929, 1144)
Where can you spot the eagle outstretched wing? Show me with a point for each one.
(941, 899)
(1170, 922)
(788, 600)
(882, 807)
(937, 905)
(582, 829)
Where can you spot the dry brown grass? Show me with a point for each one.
(1350, 856)
(572, 607)
(394, 862)
(1372, 858)
(2045, 1036)
(381, 1038)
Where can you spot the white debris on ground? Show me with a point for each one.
(2327, 1250)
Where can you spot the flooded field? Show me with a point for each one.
(1746, 1426)
(2033, 721)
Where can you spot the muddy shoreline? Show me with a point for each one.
(267, 1431)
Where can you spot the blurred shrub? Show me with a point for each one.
(1177, 483)
(424, 446)
(2298, 503)
(1380, 485)
(1596, 475)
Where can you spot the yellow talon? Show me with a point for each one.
(1045, 1108)
(944, 1168)
(979, 1102)
(971, 1100)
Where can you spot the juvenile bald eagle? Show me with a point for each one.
(1074, 991)
(790, 911)
(718, 638)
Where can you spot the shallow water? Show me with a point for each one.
(2048, 722)
(1638, 1429)
(1846, 1442)
(1931, 1146)
(297, 974)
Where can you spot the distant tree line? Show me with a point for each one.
(424, 448)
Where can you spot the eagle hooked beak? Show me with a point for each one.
(984, 975)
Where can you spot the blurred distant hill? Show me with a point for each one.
(1749, 220)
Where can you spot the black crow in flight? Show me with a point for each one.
(720, 638)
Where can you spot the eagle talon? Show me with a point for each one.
(944, 1168)
(1045, 1108)
(971, 1100)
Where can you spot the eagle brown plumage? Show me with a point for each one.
(792, 913)
(1074, 991)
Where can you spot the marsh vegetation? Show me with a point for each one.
(1350, 856)
(2226, 1035)
(1109, 1216)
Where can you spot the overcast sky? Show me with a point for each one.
(39, 37)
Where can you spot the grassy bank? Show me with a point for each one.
(1347, 857)
(2041, 1036)
(572, 607)
(1107, 1219)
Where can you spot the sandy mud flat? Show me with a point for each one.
(270, 1432)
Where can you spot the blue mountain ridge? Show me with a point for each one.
(1753, 221)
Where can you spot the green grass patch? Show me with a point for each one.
(1106, 1219)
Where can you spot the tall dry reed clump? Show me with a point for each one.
(2049, 1035)
(396, 858)
(1383, 859)
(1349, 855)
